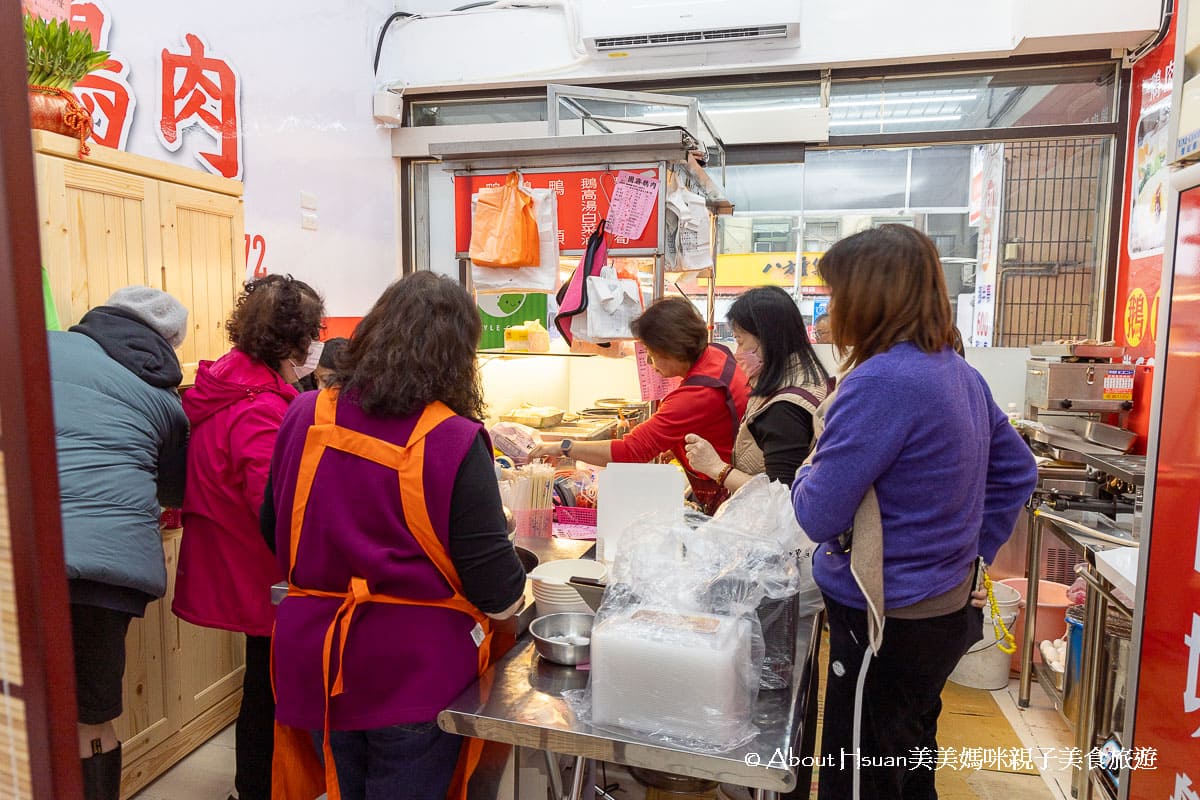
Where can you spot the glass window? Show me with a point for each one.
(1005, 99)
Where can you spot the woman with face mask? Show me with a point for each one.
(787, 383)
(710, 399)
(225, 568)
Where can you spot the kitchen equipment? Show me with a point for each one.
(563, 638)
(1077, 386)
(1109, 435)
(560, 596)
(1080, 350)
(626, 492)
(529, 559)
(674, 784)
(581, 429)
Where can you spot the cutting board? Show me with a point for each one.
(625, 492)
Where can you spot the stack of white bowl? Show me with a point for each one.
(556, 595)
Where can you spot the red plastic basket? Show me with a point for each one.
(573, 515)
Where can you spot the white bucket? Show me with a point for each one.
(985, 665)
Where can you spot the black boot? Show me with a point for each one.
(102, 775)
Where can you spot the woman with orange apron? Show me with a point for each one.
(388, 524)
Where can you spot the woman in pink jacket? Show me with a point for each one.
(225, 569)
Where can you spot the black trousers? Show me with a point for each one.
(879, 730)
(256, 723)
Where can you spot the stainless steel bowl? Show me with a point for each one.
(547, 631)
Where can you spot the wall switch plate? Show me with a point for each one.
(308, 220)
(308, 200)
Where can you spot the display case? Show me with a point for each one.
(579, 169)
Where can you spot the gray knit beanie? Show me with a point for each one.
(162, 312)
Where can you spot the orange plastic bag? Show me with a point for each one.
(504, 229)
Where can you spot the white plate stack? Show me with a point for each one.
(556, 595)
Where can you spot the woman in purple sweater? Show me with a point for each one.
(915, 423)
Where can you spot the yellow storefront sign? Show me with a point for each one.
(766, 269)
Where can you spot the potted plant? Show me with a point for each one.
(57, 58)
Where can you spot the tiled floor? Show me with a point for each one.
(1041, 729)
(206, 774)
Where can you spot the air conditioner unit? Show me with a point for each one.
(613, 26)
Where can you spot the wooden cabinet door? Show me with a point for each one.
(211, 665)
(203, 262)
(100, 232)
(151, 704)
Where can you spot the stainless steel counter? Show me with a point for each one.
(519, 702)
(1087, 534)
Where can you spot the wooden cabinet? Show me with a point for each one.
(182, 685)
(114, 219)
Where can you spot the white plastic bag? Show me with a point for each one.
(693, 235)
(613, 304)
(543, 277)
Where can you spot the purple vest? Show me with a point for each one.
(402, 664)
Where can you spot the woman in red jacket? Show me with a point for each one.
(225, 568)
(709, 403)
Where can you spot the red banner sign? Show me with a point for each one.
(583, 199)
(1144, 218)
(1168, 694)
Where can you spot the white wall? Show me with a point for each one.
(489, 48)
(1002, 367)
(306, 87)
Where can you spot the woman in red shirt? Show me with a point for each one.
(709, 403)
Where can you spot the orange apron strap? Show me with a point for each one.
(409, 463)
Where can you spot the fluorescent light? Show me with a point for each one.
(895, 101)
(896, 120)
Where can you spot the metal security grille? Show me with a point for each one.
(1054, 217)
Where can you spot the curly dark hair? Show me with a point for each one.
(415, 346)
(276, 316)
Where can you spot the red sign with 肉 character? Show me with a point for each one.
(583, 199)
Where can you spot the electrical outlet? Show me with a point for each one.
(308, 200)
(308, 220)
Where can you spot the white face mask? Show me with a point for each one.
(310, 361)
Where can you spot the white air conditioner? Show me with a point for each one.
(612, 26)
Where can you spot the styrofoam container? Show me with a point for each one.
(682, 675)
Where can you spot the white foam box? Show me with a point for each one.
(688, 676)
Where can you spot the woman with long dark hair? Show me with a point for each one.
(386, 517)
(787, 383)
(916, 474)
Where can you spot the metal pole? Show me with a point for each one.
(1095, 617)
(1033, 574)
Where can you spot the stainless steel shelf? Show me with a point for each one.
(1045, 679)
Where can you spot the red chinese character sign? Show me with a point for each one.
(1139, 269)
(106, 92)
(583, 200)
(1168, 691)
(197, 89)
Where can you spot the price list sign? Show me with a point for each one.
(633, 200)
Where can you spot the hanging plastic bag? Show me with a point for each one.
(693, 236)
(613, 303)
(504, 231)
(542, 278)
(572, 296)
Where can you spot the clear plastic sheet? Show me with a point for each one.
(677, 646)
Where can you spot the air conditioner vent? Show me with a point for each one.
(752, 33)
